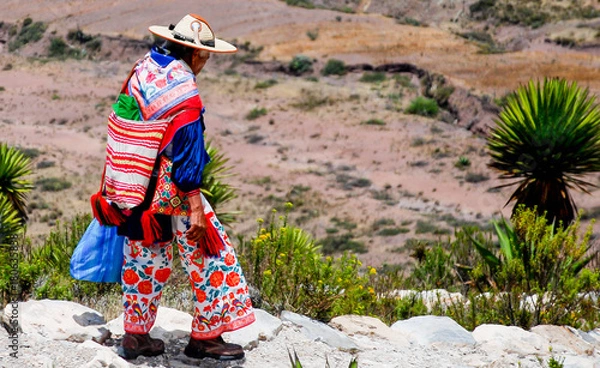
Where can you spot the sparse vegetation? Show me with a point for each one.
(334, 67)
(373, 77)
(472, 177)
(313, 34)
(300, 64)
(301, 3)
(265, 84)
(373, 122)
(30, 32)
(310, 100)
(462, 163)
(53, 184)
(256, 113)
(423, 106)
(393, 231)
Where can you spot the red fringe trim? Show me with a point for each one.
(211, 244)
(150, 228)
(104, 213)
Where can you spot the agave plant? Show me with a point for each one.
(10, 223)
(216, 191)
(14, 165)
(547, 137)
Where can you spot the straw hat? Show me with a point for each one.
(193, 31)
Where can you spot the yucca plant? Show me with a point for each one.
(14, 165)
(534, 253)
(216, 191)
(547, 137)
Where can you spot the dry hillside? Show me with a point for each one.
(342, 150)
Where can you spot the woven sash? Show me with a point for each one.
(131, 151)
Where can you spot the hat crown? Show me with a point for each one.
(195, 32)
(194, 28)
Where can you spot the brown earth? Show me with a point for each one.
(313, 157)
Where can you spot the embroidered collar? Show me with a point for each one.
(163, 60)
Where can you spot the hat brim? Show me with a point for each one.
(221, 47)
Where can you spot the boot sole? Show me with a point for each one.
(129, 354)
(201, 355)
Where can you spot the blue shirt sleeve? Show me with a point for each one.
(189, 156)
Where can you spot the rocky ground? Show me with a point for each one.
(61, 334)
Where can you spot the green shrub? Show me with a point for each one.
(382, 222)
(423, 106)
(256, 113)
(286, 265)
(44, 271)
(300, 64)
(435, 270)
(393, 231)
(313, 35)
(373, 122)
(342, 243)
(374, 77)
(53, 184)
(300, 3)
(30, 32)
(58, 47)
(462, 162)
(265, 84)
(334, 67)
(409, 21)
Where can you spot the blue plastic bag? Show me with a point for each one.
(98, 256)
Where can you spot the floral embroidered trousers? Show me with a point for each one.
(220, 292)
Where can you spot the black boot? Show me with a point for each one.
(214, 348)
(134, 345)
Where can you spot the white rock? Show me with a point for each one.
(579, 362)
(105, 357)
(58, 319)
(265, 328)
(116, 325)
(170, 324)
(368, 326)
(595, 334)
(496, 339)
(564, 340)
(441, 297)
(428, 330)
(319, 331)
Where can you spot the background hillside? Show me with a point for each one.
(359, 169)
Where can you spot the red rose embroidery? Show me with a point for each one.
(200, 296)
(195, 276)
(162, 274)
(229, 259)
(130, 277)
(232, 279)
(148, 270)
(216, 279)
(145, 287)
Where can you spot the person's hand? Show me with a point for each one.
(198, 226)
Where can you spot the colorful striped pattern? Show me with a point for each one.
(131, 151)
